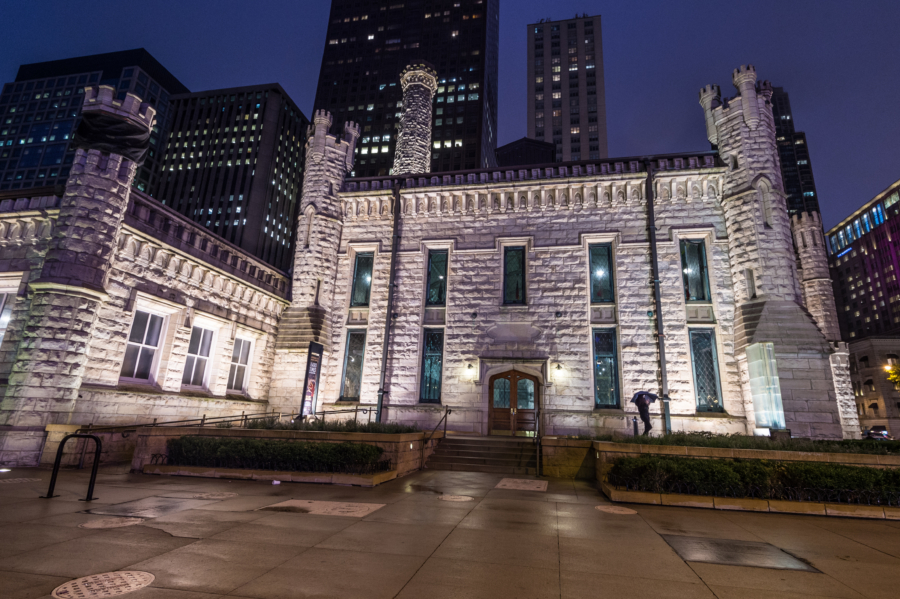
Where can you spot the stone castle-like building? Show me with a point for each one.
(522, 299)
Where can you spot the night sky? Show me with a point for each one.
(839, 60)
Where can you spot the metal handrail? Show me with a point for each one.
(59, 453)
(203, 421)
(425, 441)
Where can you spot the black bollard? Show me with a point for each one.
(634, 424)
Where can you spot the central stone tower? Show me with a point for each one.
(413, 155)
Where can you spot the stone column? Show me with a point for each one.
(413, 154)
(51, 357)
(321, 221)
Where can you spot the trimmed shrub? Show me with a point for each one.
(761, 479)
(261, 454)
(702, 439)
(333, 426)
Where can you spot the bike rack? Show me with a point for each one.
(59, 453)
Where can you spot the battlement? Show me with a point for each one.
(806, 220)
(319, 139)
(419, 73)
(102, 99)
(743, 74)
(323, 117)
(710, 93)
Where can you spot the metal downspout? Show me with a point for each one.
(389, 316)
(654, 262)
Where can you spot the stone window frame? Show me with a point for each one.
(448, 245)
(166, 310)
(613, 240)
(720, 363)
(205, 323)
(257, 340)
(218, 356)
(501, 244)
(708, 236)
(441, 245)
(10, 288)
(352, 250)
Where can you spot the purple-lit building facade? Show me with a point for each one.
(864, 259)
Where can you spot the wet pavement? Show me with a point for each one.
(414, 537)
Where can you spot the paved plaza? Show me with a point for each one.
(204, 538)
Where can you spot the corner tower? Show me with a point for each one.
(413, 154)
(329, 159)
(784, 355)
(69, 289)
(815, 279)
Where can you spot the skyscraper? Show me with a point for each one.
(234, 164)
(566, 98)
(39, 110)
(370, 41)
(864, 259)
(796, 169)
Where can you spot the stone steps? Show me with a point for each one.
(485, 454)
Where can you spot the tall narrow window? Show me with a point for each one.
(6, 300)
(606, 369)
(197, 357)
(601, 274)
(693, 265)
(437, 279)
(362, 279)
(706, 370)
(240, 359)
(143, 342)
(514, 275)
(432, 363)
(353, 365)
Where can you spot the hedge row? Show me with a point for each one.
(762, 479)
(332, 426)
(700, 439)
(259, 454)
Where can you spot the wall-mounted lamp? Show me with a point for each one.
(559, 314)
(559, 366)
(474, 315)
(470, 367)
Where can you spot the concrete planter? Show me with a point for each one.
(358, 480)
(809, 508)
(568, 458)
(405, 450)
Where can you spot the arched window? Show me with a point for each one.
(864, 362)
(765, 196)
(869, 386)
(892, 359)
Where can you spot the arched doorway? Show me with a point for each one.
(513, 404)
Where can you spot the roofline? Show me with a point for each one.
(241, 89)
(864, 208)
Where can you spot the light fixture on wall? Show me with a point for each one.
(558, 366)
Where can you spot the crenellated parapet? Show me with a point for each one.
(131, 109)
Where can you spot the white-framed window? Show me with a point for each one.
(143, 349)
(6, 302)
(196, 366)
(239, 373)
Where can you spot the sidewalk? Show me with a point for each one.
(503, 543)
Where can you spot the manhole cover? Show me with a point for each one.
(19, 480)
(111, 523)
(213, 495)
(729, 552)
(614, 509)
(522, 484)
(456, 498)
(110, 584)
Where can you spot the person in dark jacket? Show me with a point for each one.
(643, 399)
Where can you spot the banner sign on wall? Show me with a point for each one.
(311, 382)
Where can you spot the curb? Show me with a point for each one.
(326, 478)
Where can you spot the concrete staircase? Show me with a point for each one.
(499, 455)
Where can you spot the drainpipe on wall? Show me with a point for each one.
(654, 262)
(389, 316)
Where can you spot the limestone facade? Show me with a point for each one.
(86, 277)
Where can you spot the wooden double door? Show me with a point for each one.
(514, 404)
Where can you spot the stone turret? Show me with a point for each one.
(69, 290)
(711, 97)
(413, 154)
(329, 159)
(815, 279)
(783, 351)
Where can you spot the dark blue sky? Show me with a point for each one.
(839, 60)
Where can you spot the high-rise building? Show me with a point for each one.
(525, 152)
(796, 168)
(234, 164)
(864, 259)
(370, 41)
(40, 109)
(566, 97)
